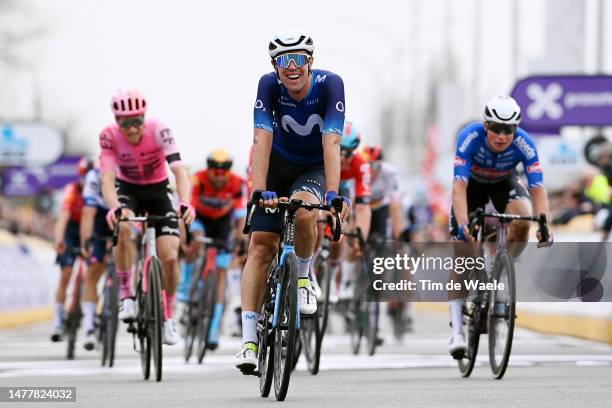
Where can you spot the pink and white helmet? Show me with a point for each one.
(128, 103)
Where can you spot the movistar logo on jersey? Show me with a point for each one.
(467, 141)
(320, 78)
(302, 130)
(527, 150)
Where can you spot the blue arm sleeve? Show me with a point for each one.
(334, 111)
(262, 112)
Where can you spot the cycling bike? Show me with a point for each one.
(277, 329)
(73, 315)
(108, 318)
(148, 326)
(199, 311)
(493, 312)
(362, 316)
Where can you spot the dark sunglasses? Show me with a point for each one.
(126, 123)
(501, 129)
(283, 61)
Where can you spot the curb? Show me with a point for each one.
(23, 317)
(585, 327)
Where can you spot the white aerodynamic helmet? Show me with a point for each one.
(290, 41)
(503, 109)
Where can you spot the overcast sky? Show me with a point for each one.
(198, 62)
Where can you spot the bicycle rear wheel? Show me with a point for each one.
(73, 320)
(141, 330)
(109, 320)
(310, 336)
(285, 333)
(155, 315)
(373, 311)
(502, 313)
(205, 313)
(265, 358)
(324, 279)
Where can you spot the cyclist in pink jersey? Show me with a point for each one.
(135, 180)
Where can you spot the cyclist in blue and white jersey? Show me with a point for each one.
(298, 121)
(93, 222)
(485, 168)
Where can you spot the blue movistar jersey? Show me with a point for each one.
(298, 127)
(474, 159)
(92, 191)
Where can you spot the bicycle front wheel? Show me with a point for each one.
(502, 313)
(205, 313)
(310, 336)
(285, 333)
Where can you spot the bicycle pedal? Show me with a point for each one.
(459, 355)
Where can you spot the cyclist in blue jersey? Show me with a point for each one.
(485, 168)
(298, 121)
(93, 222)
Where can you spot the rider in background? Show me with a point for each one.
(67, 240)
(485, 169)
(135, 180)
(93, 223)
(356, 169)
(218, 197)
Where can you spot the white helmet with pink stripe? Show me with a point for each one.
(128, 103)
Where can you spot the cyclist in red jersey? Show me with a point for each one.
(218, 197)
(355, 170)
(134, 175)
(67, 239)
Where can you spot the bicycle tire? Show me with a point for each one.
(288, 311)
(72, 326)
(310, 335)
(265, 357)
(472, 316)
(373, 312)
(190, 315)
(208, 302)
(156, 316)
(499, 362)
(298, 350)
(325, 273)
(114, 318)
(142, 331)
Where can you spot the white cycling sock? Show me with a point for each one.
(89, 313)
(249, 327)
(456, 315)
(303, 266)
(58, 318)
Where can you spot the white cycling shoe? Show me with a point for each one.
(457, 346)
(246, 359)
(307, 300)
(347, 292)
(127, 310)
(171, 335)
(333, 292)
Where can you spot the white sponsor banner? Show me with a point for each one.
(29, 144)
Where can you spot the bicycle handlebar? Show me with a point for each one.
(294, 205)
(478, 216)
(143, 219)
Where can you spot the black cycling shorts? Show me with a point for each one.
(215, 228)
(380, 225)
(286, 178)
(500, 194)
(153, 199)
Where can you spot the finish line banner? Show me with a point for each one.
(440, 271)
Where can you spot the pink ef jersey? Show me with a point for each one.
(143, 163)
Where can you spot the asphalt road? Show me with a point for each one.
(544, 370)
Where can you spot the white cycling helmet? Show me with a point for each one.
(503, 109)
(290, 41)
